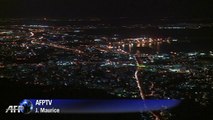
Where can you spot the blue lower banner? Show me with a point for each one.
(87, 106)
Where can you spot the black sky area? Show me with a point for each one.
(105, 8)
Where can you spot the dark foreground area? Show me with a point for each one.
(12, 93)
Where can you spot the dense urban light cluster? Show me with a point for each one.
(123, 65)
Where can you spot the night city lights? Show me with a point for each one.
(123, 60)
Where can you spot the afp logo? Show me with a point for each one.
(25, 107)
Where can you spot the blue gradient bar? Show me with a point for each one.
(107, 106)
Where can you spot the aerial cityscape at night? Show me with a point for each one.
(127, 62)
(107, 59)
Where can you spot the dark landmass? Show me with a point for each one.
(15, 92)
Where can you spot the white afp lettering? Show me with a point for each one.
(14, 109)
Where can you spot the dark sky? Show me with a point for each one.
(105, 8)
